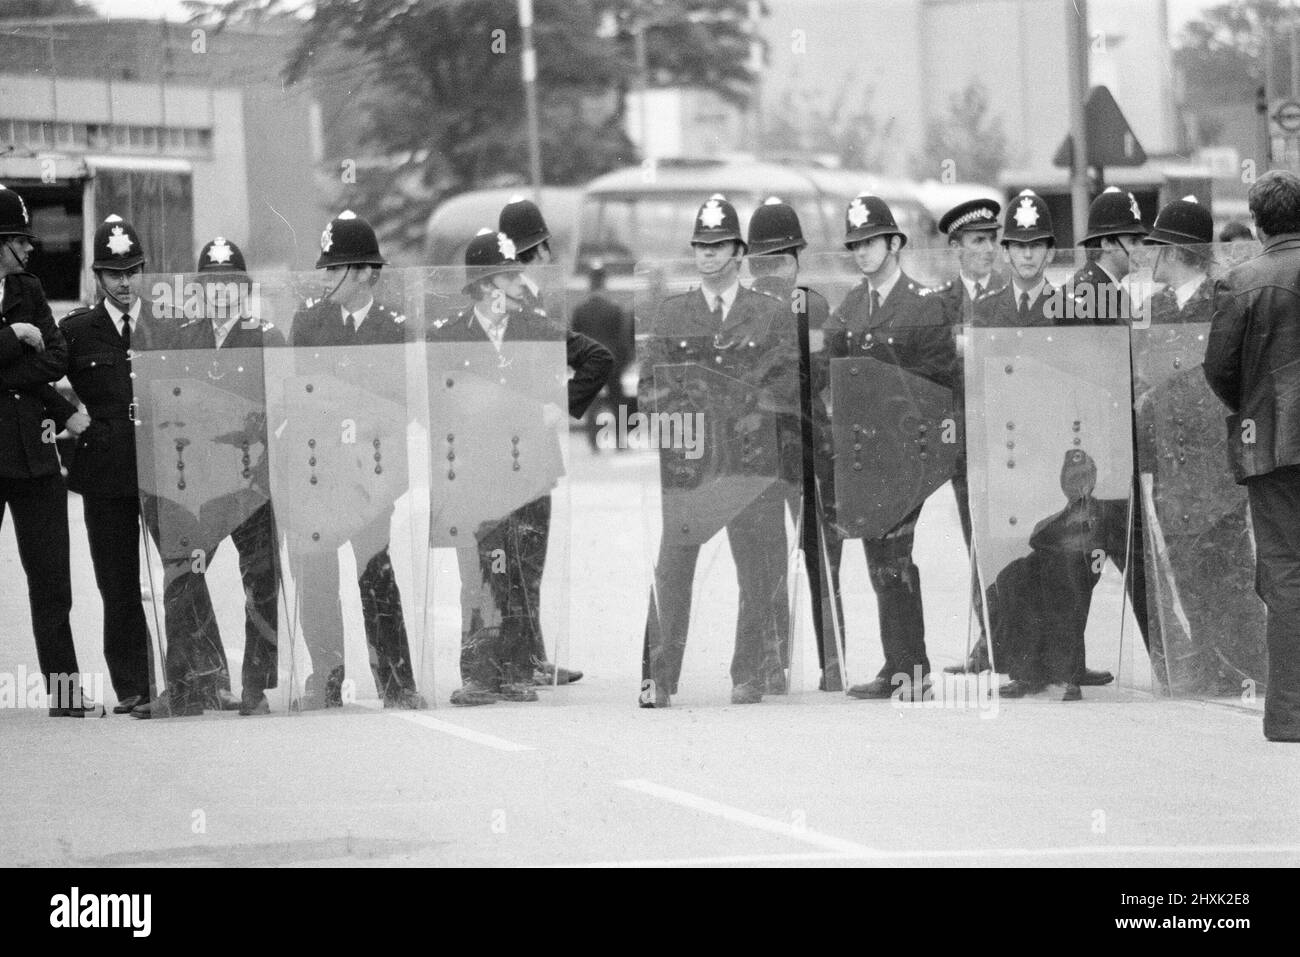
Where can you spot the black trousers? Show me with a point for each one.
(757, 540)
(1275, 512)
(381, 607)
(196, 659)
(40, 511)
(897, 583)
(500, 590)
(113, 530)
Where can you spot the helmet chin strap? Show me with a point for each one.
(9, 248)
(347, 271)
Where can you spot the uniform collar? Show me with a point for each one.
(116, 314)
(886, 287)
(727, 298)
(1034, 291)
(358, 315)
(1184, 293)
(986, 282)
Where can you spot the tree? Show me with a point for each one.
(435, 92)
(36, 9)
(967, 137)
(1221, 55)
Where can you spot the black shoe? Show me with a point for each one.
(408, 699)
(128, 704)
(1095, 678)
(547, 673)
(472, 694)
(253, 702)
(87, 709)
(1020, 688)
(165, 706)
(517, 692)
(226, 700)
(874, 690)
(1072, 693)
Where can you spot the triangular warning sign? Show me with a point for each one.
(1111, 141)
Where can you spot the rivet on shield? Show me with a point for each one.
(313, 480)
(176, 391)
(451, 437)
(451, 474)
(857, 466)
(1178, 363)
(315, 536)
(1011, 463)
(1011, 426)
(379, 470)
(311, 443)
(1012, 520)
(451, 456)
(452, 530)
(310, 387)
(1076, 425)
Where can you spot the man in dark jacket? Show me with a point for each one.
(100, 340)
(1252, 363)
(33, 354)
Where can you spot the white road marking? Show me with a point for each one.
(456, 731)
(747, 818)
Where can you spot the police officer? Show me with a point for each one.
(775, 239)
(890, 317)
(1207, 565)
(349, 317)
(972, 229)
(500, 609)
(198, 674)
(103, 471)
(521, 221)
(748, 336)
(33, 354)
(1095, 297)
(1027, 244)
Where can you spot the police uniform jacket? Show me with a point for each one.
(958, 307)
(25, 377)
(1098, 300)
(1252, 360)
(909, 330)
(1003, 308)
(100, 372)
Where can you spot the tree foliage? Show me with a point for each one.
(432, 90)
(966, 137)
(843, 126)
(1221, 55)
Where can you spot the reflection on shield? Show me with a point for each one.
(338, 458)
(491, 450)
(201, 443)
(1034, 395)
(895, 442)
(718, 451)
(1199, 552)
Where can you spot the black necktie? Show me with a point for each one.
(875, 302)
(1024, 305)
(350, 324)
(716, 311)
(126, 332)
(979, 291)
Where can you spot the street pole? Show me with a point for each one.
(528, 62)
(643, 85)
(1076, 46)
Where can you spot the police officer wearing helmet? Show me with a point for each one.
(198, 674)
(347, 317)
(720, 325)
(521, 222)
(775, 240)
(500, 607)
(103, 471)
(890, 317)
(33, 354)
(1027, 243)
(1115, 229)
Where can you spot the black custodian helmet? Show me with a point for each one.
(488, 254)
(14, 218)
(867, 217)
(349, 240)
(775, 228)
(717, 222)
(222, 257)
(1028, 220)
(522, 221)
(1114, 213)
(117, 245)
(971, 216)
(1184, 222)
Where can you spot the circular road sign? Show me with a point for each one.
(1287, 116)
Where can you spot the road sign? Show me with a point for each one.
(1111, 141)
(1286, 115)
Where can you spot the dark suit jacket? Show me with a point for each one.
(1252, 361)
(958, 307)
(25, 377)
(910, 330)
(1097, 300)
(1003, 308)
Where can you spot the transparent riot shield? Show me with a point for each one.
(201, 456)
(496, 590)
(718, 431)
(345, 420)
(1206, 622)
(896, 547)
(1050, 446)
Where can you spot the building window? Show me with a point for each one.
(114, 137)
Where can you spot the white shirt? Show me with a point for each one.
(358, 315)
(727, 297)
(885, 288)
(970, 285)
(494, 327)
(1034, 292)
(117, 315)
(1184, 292)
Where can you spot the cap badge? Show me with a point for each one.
(327, 238)
(859, 215)
(1026, 213)
(506, 246)
(119, 243)
(711, 215)
(219, 251)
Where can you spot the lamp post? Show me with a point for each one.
(528, 63)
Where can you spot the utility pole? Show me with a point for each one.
(1076, 45)
(528, 62)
